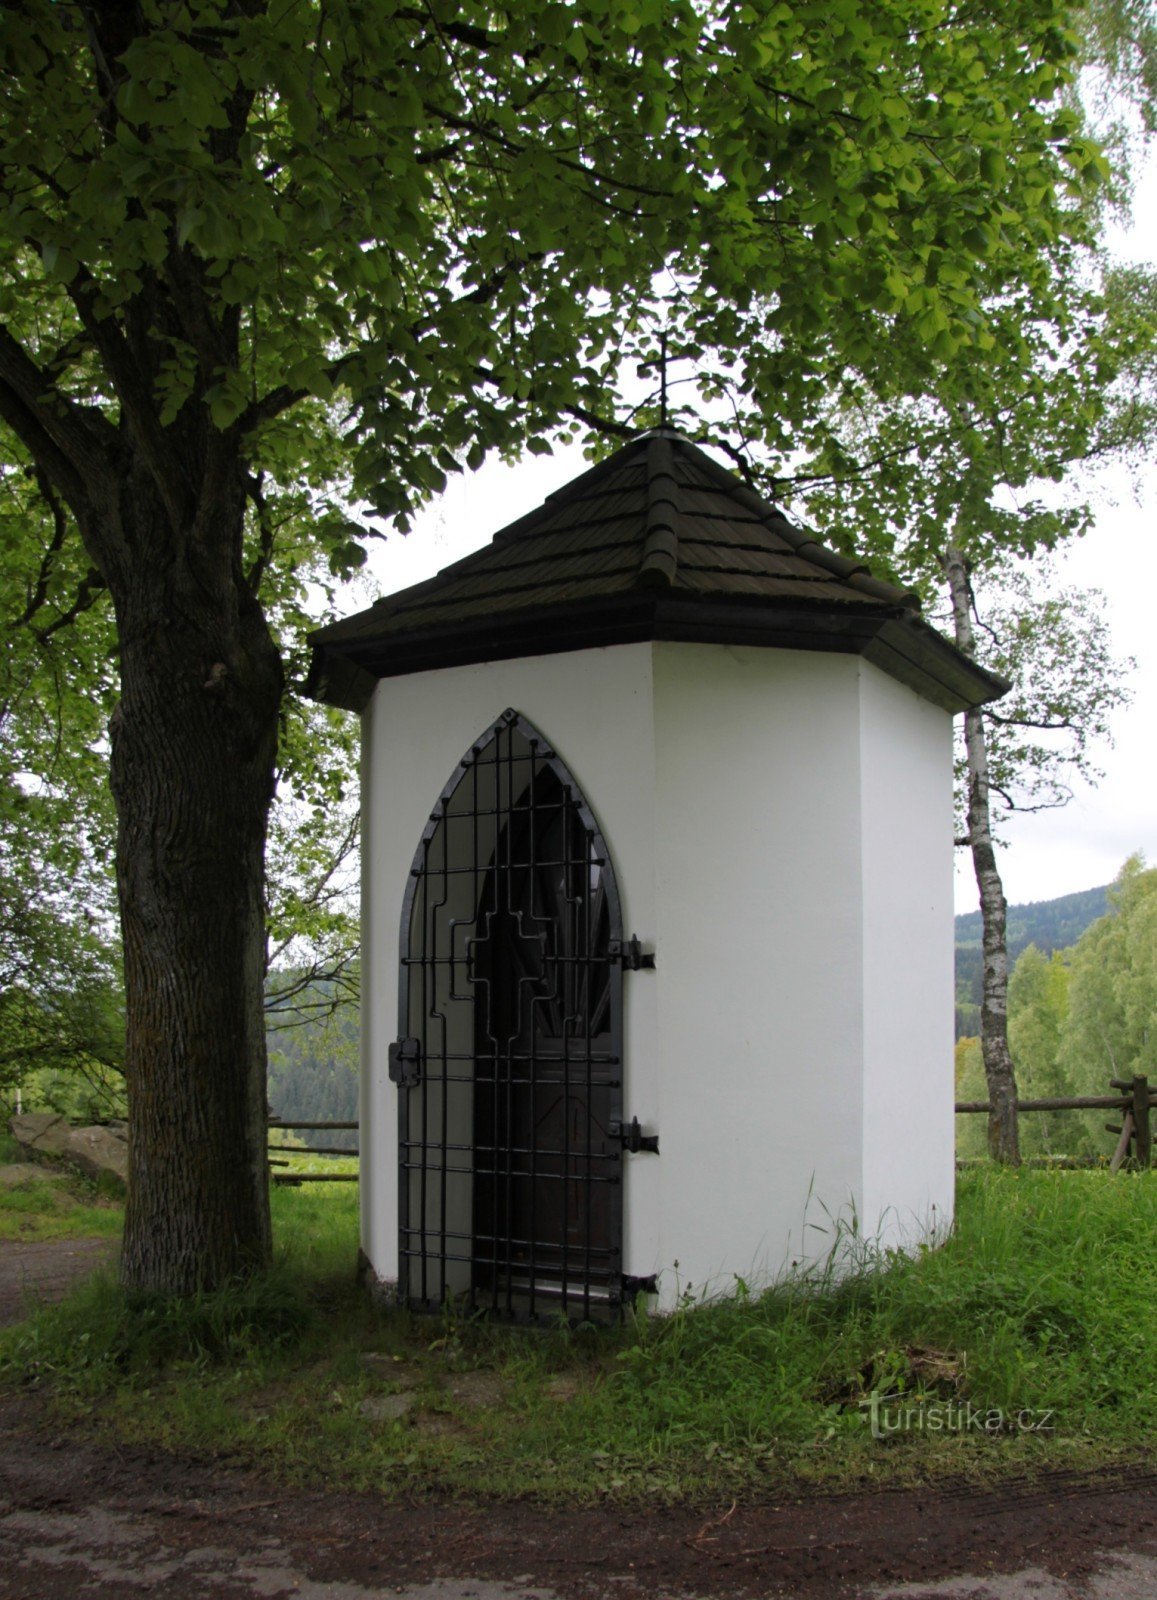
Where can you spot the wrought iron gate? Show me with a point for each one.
(510, 1062)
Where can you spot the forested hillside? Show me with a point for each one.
(1049, 924)
(313, 1072)
(1078, 1018)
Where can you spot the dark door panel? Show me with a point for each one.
(510, 1183)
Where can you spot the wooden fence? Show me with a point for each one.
(1135, 1100)
(277, 1125)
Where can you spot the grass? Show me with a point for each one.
(55, 1204)
(1043, 1301)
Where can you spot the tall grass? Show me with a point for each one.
(100, 1339)
(1042, 1301)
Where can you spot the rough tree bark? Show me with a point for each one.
(194, 743)
(193, 750)
(160, 506)
(1003, 1139)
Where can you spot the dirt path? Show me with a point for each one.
(45, 1271)
(78, 1517)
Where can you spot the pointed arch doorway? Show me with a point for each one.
(509, 1063)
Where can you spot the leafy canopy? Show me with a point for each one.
(459, 218)
(1053, 646)
(1077, 1019)
(59, 979)
(353, 246)
(60, 1001)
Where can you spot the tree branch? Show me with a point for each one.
(1059, 724)
(271, 405)
(510, 147)
(609, 426)
(267, 530)
(341, 977)
(280, 399)
(90, 587)
(48, 560)
(460, 32)
(71, 442)
(136, 398)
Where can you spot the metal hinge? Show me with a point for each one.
(632, 1138)
(631, 953)
(406, 1062)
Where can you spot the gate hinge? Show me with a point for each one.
(406, 1062)
(634, 1286)
(632, 1138)
(631, 953)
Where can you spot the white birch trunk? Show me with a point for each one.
(1003, 1141)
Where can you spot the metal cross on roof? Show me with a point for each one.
(661, 364)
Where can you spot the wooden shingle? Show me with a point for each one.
(656, 542)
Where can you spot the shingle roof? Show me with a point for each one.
(656, 542)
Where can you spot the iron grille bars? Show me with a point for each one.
(510, 1001)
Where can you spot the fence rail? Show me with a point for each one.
(309, 1150)
(1135, 1100)
(279, 1122)
(1088, 1102)
(292, 1179)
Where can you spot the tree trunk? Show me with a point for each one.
(1003, 1139)
(194, 743)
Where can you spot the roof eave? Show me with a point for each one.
(894, 639)
(337, 680)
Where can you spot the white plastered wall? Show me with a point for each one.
(906, 832)
(753, 801)
(760, 948)
(596, 709)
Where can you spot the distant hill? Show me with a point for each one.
(313, 1065)
(1049, 924)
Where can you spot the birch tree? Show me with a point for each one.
(1003, 1144)
(1024, 753)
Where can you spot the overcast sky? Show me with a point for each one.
(1048, 854)
(1086, 842)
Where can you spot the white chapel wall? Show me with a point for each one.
(907, 825)
(760, 1005)
(779, 823)
(595, 707)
